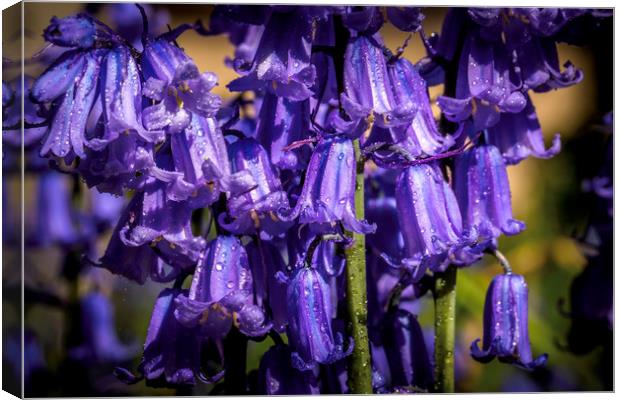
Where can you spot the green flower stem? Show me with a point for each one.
(360, 376)
(444, 294)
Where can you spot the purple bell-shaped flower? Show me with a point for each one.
(518, 136)
(173, 80)
(282, 61)
(221, 293)
(171, 351)
(310, 323)
(429, 218)
(483, 193)
(255, 210)
(266, 261)
(369, 90)
(505, 324)
(328, 194)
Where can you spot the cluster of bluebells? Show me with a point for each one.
(255, 197)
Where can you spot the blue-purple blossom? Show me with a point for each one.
(328, 194)
(369, 90)
(310, 324)
(282, 62)
(255, 210)
(173, 80)
(485, 85)
(483, 193)
(506, 333)
(519, 136)
(75, 31)
(221, 293)
(430, 219)
(421, 136)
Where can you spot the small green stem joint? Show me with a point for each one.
(444, 294)
(359, 374)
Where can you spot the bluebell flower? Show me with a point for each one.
(255, 210)
(328, 194)
(310, 324)
(221, 293)
(173, 80)
(518, 136)
(369, 90)
(282, 64)
(483, 194)
(430, 219)
(505, 324)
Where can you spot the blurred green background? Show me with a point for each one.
(546, 194)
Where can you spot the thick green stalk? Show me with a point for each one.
(360, 376)
(444, 293)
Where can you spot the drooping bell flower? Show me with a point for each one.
(422, 136)
(121, 112)
(266, 261)
(505, 324)
(122, 164)
(174, 81)
(136, 263)
(281, 122)
(310, 324)
(171, 351)
(74, 77)
(518, 136)
(430, 219)
(221, 293)
(156, 221)
(99, 340)
(201, 168)
(255, 210)
(328, 194)
(538, 62)
(276, 376)
(405, 349)
(483, 193)
(73, 31)
(369, 89)
(282, 61)
(486, 86)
